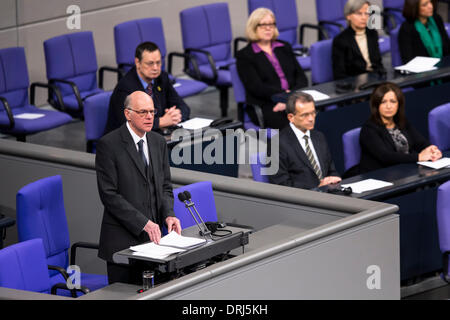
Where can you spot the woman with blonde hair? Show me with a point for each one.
(267, 66)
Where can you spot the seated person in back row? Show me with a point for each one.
(355, 50)
(304, 160)
(387, 138)
(267, 66)
(148, 77)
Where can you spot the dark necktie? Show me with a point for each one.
(149, 90)
(141, 153)
(311, 158)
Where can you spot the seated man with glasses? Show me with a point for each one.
(304, 159)
(356, 50)
(147, 76)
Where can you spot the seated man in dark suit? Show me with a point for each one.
(304, 160)
(147, 76)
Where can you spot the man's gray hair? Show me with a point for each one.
(301, 97)
(127, 102)
(353, 6)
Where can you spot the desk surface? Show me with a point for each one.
(402, 80)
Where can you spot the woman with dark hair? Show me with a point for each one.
(355, 50)
(423, 33)
(267, 66)
(387, 138)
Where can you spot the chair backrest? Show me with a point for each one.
(396, 59)
(238, 86)
(128, 35)
(331, 11)
(285, 14)
(352, 149)
(41, 214)
(397, 5)
(321, 62)
(203, 197)
(439, 126)
(23, 266)
(14, 79)
(96, 114)
(257, 161)
(443, 220)
(208, 27)
(72, 57)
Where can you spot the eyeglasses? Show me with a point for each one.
(153, 63)
(143, 113)
(360, 14)
(267, 25)
(308, 114)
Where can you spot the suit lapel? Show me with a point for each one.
(131, 150)
(298, 149)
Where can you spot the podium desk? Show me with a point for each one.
(414, 190)
(198, 255)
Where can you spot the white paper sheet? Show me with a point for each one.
(175, 240)
(152, 250)
(29, 116)
(317, 96)
(196, 123)
(438, 164)
(419, 64)
(367, 185)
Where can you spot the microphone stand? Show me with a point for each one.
(203, 230)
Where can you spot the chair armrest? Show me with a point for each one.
(211, 62)
(51, 89)
(75, 90)
(387, 15)
(187, 57)
(86, 245)
(101, 72)
(8, 112)
(236, 42)
(320, 30)
(323, 22)
(259, 114)
(63, 286)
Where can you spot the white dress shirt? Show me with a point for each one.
(136, 139)
(299, 134)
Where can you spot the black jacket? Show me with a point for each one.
(295, 169)
(347, 58)
(378, 148)
(164, 97)
(411, 45)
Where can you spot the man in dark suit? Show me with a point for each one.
(148, 77)
(304, 160)
(133, 178)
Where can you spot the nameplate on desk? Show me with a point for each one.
(438, 164)
(367, 185)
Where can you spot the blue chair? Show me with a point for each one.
(128, 35)
(321, 62)
(330, 15)
(351, 148)
(23, 266)
(439, 126)
(443, 222)
(41, 214)
(95, 117)
(203, 197)
(206, 34)
(393, 13)
(71, 65)
(256, 164)
(14, 105)
(287, 23)
(396, 59)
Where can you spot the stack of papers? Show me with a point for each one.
(438, 164)
(419, 64)
(367, 185)
(195, 123)
(169, 244)
(317, 96)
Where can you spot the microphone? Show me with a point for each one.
(185, 197)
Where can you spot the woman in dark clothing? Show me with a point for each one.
(387, 138)
(423, 33)
(355, 50)
(266, 67)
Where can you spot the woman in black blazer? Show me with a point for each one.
(387, 138)
(266, 67)
(355, 50)
(423, 33)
